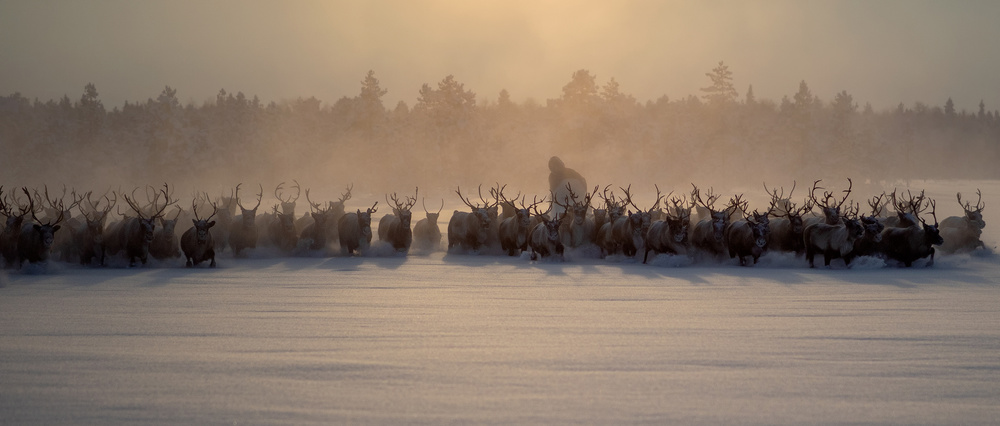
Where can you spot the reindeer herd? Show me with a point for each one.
(693, 224)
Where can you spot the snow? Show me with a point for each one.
(449, 338)
(489, 339)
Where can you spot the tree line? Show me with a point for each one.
(451, 135)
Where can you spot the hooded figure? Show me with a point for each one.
(559, 176)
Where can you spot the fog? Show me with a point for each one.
(113, 94)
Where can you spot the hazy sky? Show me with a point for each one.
(882, 52)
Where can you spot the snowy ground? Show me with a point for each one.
(434, 339)
(462, 339)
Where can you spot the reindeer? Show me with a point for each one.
(243, 230)
(89, 237)
(62, 245)
(614, 210)
(869, 244)
(281, 231)
(11, 232)
(226, 213)
(288, 203)
(829, 206)
(514, 230)
(470, 230)
(35, 240)
(135, 234)
(787, 222)
(544, 240)
(907, 210)
(833, 241)
(670, 235)
(708, 234)
(394, 228)
(315, 235)
(335, 209)
(165, 243)
(355, 231)
(964, 233)
(197, 242)
(748, 237)
(913, 242)
(628, 232)
(577, 229)
(426, 234)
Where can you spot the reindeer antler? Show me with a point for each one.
(312, 205)
(466, 201)
(968, 207)
(194, 209)
(876, 203)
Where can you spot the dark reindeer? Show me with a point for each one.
(913, 242)
(427, 233)
(748, 237)
(670, 235)
(336, 210)
(89, 237)
(394, 228)
(197, 242)
(11, 232)
(833, 240)
(544, 240)
(166, 244)
(470, 230)
(964, 233)
(134, 234)
(514, 230)
(577, 229)
(282, 231)
(243, 230)
(314, 236)
(870, 243)
(355, 231)
(907, 210)
(708, 234)
(35, 241)
(288, 203)
(829, 205)
(787, 223)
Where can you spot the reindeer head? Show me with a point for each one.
(202, 226)
(147, 222)
(249, 215)
(432, 217)
(169, 225)
(908, 210)
(679, 218)
(336, 208)
(974, 214)
(286, 221)
(482, 213)
(830, 206)
(759, 226)
(46, 231)
(288, 203)
(365, 217)
(932, 235)
(613, 208)
(402, 209)
(14, 219)
(873, 226)
(576, 205)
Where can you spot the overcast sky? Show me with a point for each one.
(882, 52)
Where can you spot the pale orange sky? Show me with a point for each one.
(882, 52)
